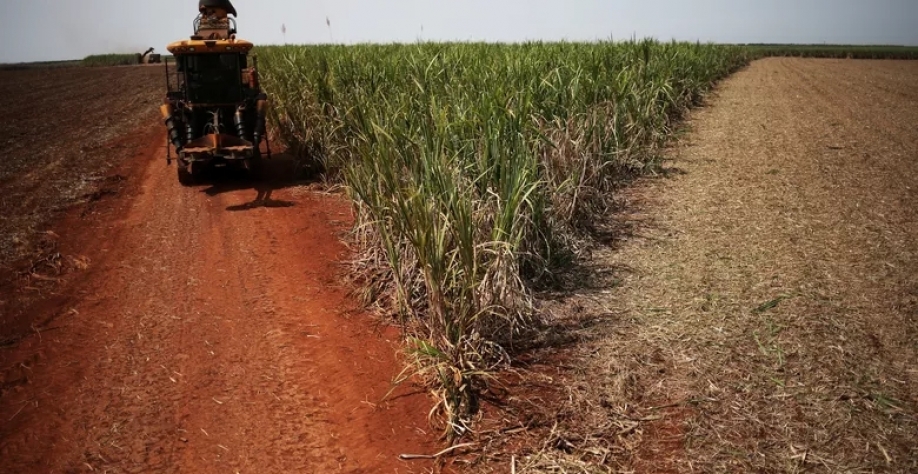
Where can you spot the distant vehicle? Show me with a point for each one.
(214, 109)
(148, 57)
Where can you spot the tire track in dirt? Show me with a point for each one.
(208, 335)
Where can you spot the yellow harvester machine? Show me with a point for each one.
(214, 109)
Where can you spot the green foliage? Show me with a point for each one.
(99, 60)
(473, 166)
(834, 51)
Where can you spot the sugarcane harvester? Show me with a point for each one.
(214, 110)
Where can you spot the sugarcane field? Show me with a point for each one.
(478, 237)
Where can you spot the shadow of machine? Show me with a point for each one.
(214, 110)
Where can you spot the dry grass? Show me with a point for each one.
(764, 320)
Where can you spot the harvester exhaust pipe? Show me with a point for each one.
(169, 118)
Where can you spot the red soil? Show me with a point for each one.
(207, 334)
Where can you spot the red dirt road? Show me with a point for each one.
(206, 335)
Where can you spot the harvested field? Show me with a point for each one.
(159, 328)
(57, 131)
(755, 308)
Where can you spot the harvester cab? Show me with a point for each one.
(214, 109)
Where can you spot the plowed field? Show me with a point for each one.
(148, 327)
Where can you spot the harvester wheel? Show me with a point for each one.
(255, 166)
(186, 177)
(190, 174)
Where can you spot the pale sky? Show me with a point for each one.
(38, 30)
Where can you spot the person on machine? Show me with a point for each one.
(218, 8)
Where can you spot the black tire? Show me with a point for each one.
(255, 166)
(190, 174)
(185, 176)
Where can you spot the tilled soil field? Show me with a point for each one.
(58, 129)
(149, 327)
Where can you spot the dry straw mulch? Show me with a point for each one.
(757, 308)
